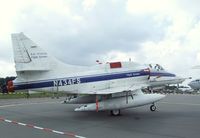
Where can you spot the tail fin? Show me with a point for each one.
(27, 55)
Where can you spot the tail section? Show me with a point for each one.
(27, 55)
(32, 63)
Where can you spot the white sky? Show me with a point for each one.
(82, 31)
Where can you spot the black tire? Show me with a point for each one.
(153, 108)
(115, 112)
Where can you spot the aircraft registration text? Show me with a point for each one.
(64, 82)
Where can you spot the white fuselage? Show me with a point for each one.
(93, 78)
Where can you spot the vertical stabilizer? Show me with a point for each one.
(27, 55)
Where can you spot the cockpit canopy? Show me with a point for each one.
(156, 67)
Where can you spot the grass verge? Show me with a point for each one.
(32, 95)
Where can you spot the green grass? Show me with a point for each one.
(33, 95)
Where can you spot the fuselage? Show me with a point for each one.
(94, 78)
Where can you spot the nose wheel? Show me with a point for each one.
(153, 107)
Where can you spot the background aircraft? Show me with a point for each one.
(111, 86)
(195, 84)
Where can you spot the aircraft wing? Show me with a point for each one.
(134, 87)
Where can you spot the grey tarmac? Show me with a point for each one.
(177, 116)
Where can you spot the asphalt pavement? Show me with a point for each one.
(177, 116)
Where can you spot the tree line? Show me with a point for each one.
(3, 83)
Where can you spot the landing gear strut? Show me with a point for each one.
(153, 107)
(115, 112)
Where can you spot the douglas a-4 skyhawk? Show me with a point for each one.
(104, 87)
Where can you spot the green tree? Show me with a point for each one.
(3, 82)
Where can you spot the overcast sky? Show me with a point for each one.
(81, 31)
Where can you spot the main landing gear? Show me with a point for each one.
(115, 112)
(153, 107)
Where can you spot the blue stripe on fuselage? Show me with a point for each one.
(82, 79)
